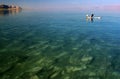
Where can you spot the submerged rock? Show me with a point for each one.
(35, 69)
(75, 48)
(67, 77)
(116, 73)
(73, 69)
(92, 74)
(61, 54)
(34, 77)
(87, 59)
(54, 75)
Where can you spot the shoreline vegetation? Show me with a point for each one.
(9, 7)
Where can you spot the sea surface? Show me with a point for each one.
(59, 45)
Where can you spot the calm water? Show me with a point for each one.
(59, 45)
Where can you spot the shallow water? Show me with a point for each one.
(53, 45)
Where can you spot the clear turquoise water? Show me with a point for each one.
(59, 45)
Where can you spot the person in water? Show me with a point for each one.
(89, 17)
(92, 15)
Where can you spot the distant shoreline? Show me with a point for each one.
(9, 7)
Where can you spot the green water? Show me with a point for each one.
(42, 45)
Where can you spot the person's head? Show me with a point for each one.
(92, 15)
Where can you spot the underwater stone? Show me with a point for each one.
(63, 72)
(87, 58)
(34, 77)
(35, 69)
(73, 69)
(54, 75)
(116, 73)
(75, 48)
(92, 74)
(94, 78)
(67, 77)
(40, 61)
(62, 54)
